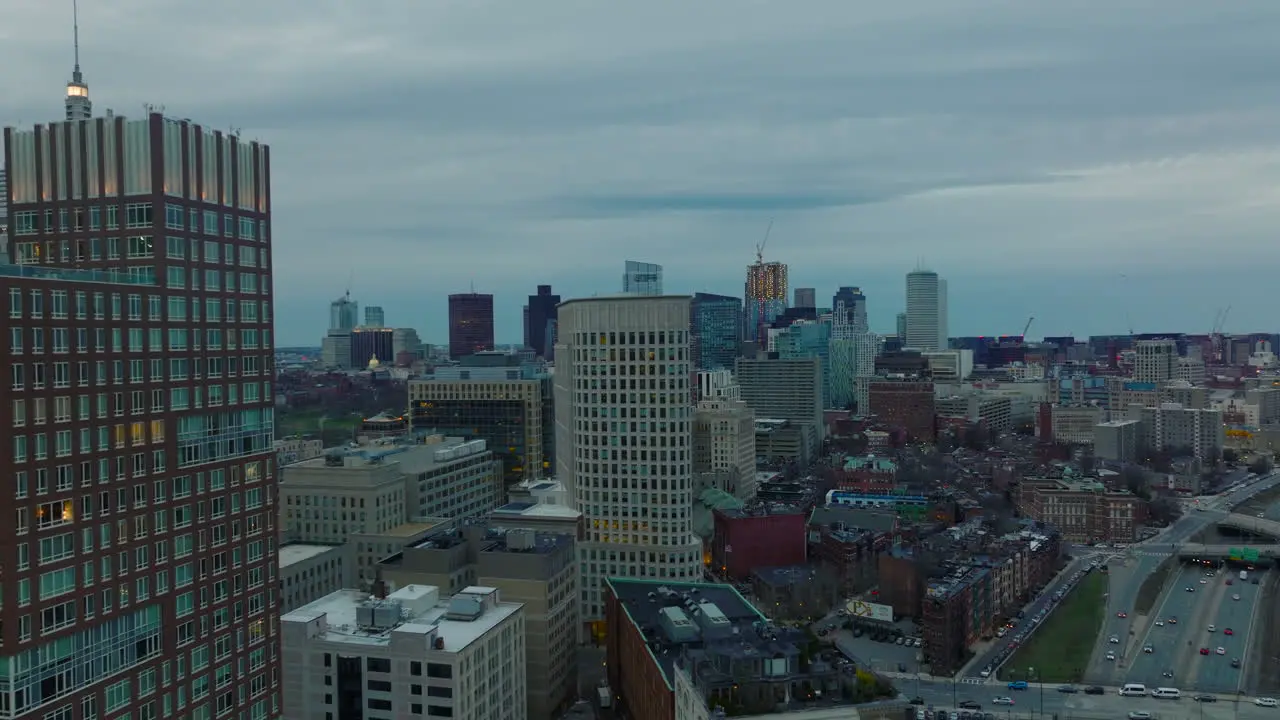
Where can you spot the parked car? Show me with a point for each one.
(1002, 701)
(970, 705)
(1067, 689)
(1018, 685)
(1095, 690)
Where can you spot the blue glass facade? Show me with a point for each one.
(806, 340)
(716, 323)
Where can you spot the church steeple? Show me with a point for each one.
(79, 107)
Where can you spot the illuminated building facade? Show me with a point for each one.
(138, 466)
(766, 299)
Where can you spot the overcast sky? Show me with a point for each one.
(1099, 164)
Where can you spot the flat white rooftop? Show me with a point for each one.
(544, 510)
(299, 552)
(340, 611)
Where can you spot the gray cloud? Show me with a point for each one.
(1026, 150)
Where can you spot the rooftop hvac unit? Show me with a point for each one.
(521, 539)
(378, 615)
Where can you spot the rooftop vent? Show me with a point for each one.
(377, 615)
(464, 609)
(521, 539)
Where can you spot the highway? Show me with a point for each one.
(1214, 673)
(944, 694)
(1168, 643)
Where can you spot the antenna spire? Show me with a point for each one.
(75, 34)
(77, 101)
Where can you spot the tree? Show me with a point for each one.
(1229, 455)
(1164, 510)
(1135, 481)
(1261, 465)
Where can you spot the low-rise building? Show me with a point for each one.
(868, 474)
(310, 572)
(993, 411)
(1084, 511)
(760, 535)
(1170, 427)
(374, 487)
(536, 569)
(413, 653)
(680, 651)
(956, 612)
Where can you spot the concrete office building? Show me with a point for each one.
(926, 319)
(642, 278)
(470, 324)
(724, 443)
(624, 438)
(1173, 428)
(1155, 361)
(1118, 440)
(414, 653)
(310, 572)
(374, 489)
(538, 570)
(785, 390)
(139, 417)
(495, 398)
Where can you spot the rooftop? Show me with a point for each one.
(496, 539)
(413, 453)
(537, 510)
(291, 553)
(458, 621)
(409, 529)
(871, 462)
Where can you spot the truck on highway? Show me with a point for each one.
(1244, 574)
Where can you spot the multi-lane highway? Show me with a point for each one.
(1028, 703)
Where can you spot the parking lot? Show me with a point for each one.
(884, 651)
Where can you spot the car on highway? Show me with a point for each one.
(1114, 640)
(1018, 685)
(1095, 690)
(1265, 702)
(1122, 615)
(1005, 700)
(1148, 649)
(1190, 589)
(1111, 656)
(1139, 715)
(1159, 623)
(1204, 651)
(1205, 698)
(1221, 650)
(1235, 663)
(1173, 621)
(1067, 689)
(1228, 631)
(1212, 628)
(1235, 597)
(970, 705)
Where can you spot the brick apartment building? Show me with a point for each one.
(1084, 511)
(905, 404)
(764, 536)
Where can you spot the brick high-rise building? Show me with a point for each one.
(470, 324)
(139, 556)
(905, 404)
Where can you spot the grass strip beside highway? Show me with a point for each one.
(1060, 649)
(1151, 587)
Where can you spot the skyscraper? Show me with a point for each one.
(849, 312)
(138, 465)
(344, 313)
(642, 278)
(926, 311)
(624, 436)
(806, 298)
(716, 323)
(4, 213)
(470, 324)
(542, 313)
(374, 317)
(765, 298)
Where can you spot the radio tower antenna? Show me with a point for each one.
(762, 243)
(77, 101)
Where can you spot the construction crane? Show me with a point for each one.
(1027, 327)
(760, 245)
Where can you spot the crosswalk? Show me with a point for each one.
(973, 680)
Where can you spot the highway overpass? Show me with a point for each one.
(1267, 554)
(1255, 525)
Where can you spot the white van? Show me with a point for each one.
(1166, 693)
(1133, 689)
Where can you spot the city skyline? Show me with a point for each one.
(1040, 145)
